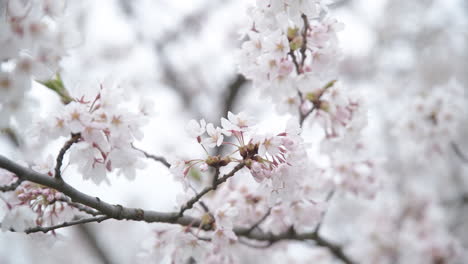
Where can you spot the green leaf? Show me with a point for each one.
(57, 86)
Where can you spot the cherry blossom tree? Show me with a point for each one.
(328, 182)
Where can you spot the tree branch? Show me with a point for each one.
(119, 212)
(113, 211)
(74, 138)
(304, 40)
(10, 187)
(459, 153)
(260, 221)
(336, 250)
(198, 196)
(154, 157)
(231, 93)
(36, 229)
(316, 102)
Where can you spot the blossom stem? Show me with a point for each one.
(75, 138)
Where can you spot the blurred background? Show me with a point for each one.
(182, 56)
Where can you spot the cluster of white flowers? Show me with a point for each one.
(436, 117)
(290, 46)
(272, 160)
(106, 128)
(34, 36)
(278, 177)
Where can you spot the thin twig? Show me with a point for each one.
(459, 153)
(327, 199)
(290, 234)
(316, 102)
(215, 178)
(75, 138)
(66, 224)
(198, 196)
(304, 40)
(205, 207)
(11, 187)
(80, 207)
(260, 221)
(154, 157)
(296, 64)
(244, 242)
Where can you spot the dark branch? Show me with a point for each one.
(316, 102)
(260, 221)
(80, 207)
(36, 229)
(67, 146)
(11, 187)
(231, 93)
(459, 153)
(304, 40)
(336, 250)
(119, 212)
(113, 211)
(198, 196)
(154, 157)
(294, 58)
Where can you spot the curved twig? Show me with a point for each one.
(198, 196)
(154, 157)
(11, 187)
(74, 138)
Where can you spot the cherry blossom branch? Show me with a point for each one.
(291, 234)
(459, 153)
(316, 103)
(327, 199)
(154, 157)
(198, 196)
(304, 39)
(232, 91)
(294, 59)
(114, 211)
(119, 212)
(80, 207)
(10, 187)
(74, 138)
(36, 229)
(260, 221)
(215, 178)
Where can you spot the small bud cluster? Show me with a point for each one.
(32, 204)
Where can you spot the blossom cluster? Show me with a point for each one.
(32, 204)
(278, 180)
(106, 130)
(270, 158)
(438, 115)
(34, 36)
(290, 47)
